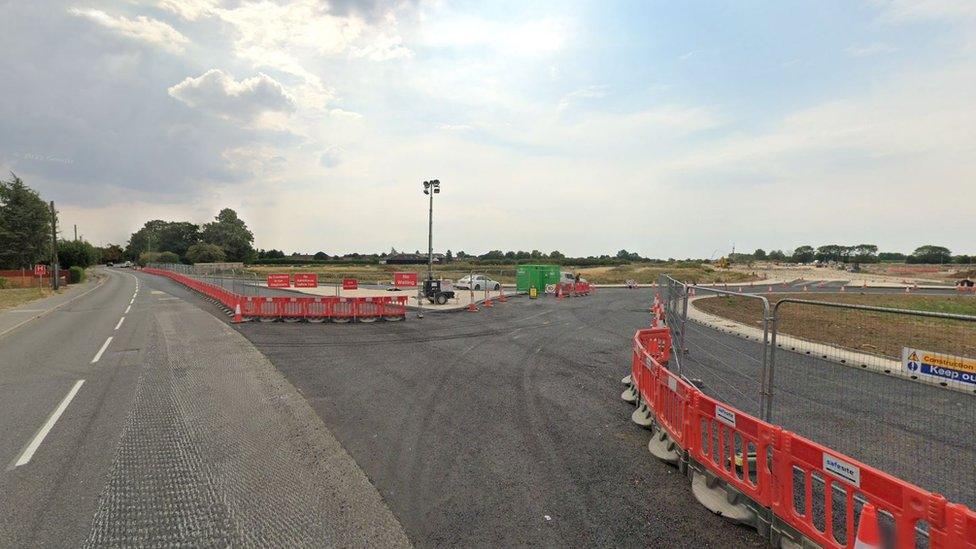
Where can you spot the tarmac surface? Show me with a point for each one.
(130, 417)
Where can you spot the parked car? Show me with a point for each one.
(125, 265)
(477, 282)
(569, 278)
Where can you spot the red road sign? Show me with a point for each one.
(279, 281)
(306, 280)
(404, 279)
(40, 270)
(350, 284)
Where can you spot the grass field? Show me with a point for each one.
(13, 297)
(641, 272)
(875, 332)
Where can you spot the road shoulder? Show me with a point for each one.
(220, 449)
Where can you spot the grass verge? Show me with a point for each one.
(13, 297)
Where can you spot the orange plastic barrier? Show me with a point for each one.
(761, 461)
(317, 309)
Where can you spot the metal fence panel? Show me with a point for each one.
(839, 378)
(726, 367)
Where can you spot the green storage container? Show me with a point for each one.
(536, 276)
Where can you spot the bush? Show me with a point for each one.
(3, 282)
(75, 275)
(168, 257)
(205, 253)
(148, 257)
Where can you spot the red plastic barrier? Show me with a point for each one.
(312, 308)
(734, 446)
(907, 504)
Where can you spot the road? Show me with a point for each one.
(502, 427)
(157, 429)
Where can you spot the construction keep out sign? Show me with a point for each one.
(938, 366)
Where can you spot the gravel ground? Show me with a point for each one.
(502, 427)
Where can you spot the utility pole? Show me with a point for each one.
(54, 248)
(76, 232)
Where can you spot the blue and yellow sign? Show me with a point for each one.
(938, 365)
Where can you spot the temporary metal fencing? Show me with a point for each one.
(841, 377)
(746, 469)
(733, 371)
(837, 396)
(232, 290)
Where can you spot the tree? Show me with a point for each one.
(76, 253)
(321, 256)
(892, 256)
(163, 236)
(803, 254)
(864, 253)
(930, 254)
(556, 255)
(168, 257)
(111, 253)
(759, 254)
(962, 259)
(535, 254)
(448, 257)
(25, 225)
(777, 255)
(493, 254)
(510, 255)
(205, 253)
(230, 233)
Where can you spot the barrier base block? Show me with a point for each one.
(663, 447)
(718, 498)
(629, 395)
(642, 416)
(785, 536)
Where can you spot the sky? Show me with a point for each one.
(673, 129)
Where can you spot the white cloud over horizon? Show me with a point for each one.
(318, 122)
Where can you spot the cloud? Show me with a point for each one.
(141, 28)
(190, 10)
(583, 94)
(217, 92)
(332, 156)
(900, 10)
(867, 50)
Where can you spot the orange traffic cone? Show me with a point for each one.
(868, 536)
(559, 292)
(237, 313)
(487, 302)
(472, 308)
(501, 295)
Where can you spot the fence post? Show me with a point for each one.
(767, 405)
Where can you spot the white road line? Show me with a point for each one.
(127, 308)
(131, 301)
(46, 428)
(98, 355)
(120, 323)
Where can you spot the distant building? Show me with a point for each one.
(410, 259)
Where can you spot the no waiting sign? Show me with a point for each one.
(40, 270)
(404, 279)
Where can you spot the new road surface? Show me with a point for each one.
(497, 428)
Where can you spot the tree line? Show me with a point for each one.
(26, 227)
(860, 253)
(226, 238)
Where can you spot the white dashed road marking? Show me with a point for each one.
(120, 323)
(98, 355)
(35, 443)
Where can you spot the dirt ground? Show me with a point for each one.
(872, 332)
(883, 273)
(13, 297)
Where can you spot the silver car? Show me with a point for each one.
(477, 282)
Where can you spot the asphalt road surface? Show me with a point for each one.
(166, 428)
(502, 427)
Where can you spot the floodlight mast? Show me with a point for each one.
(431, 188)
